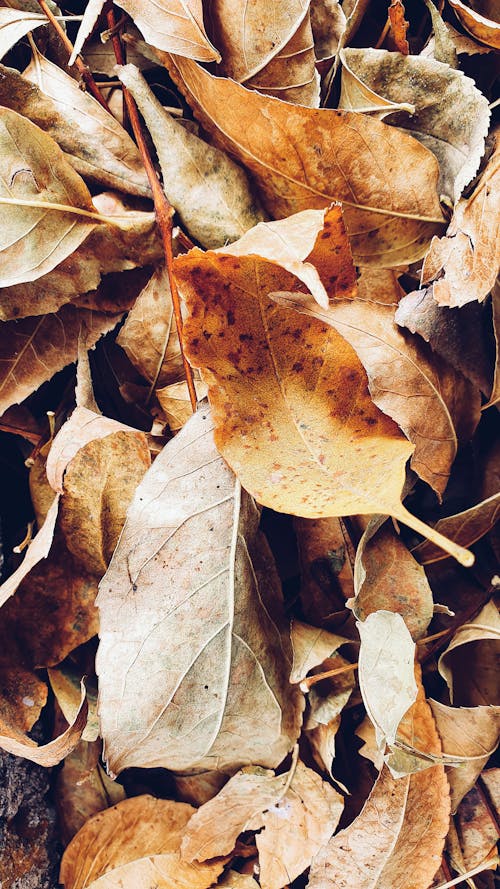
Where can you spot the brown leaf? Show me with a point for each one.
(176, 404)
(464, 527)
(495, 307)
(219, 696)
(301, 380)
(344, 154)
(65, 682)
(269, 49)
(37, 550)
(388, 577)
(322, 721)
(476, 832)
(36, 236)
(397, 839)
(471, 675)
(52, 753)
(399, 26)
(209, 191)
(34, 349)
(144, 833)
(311, 646)
(469, 732)
(328, 21)
(325, 566)
(483, 27)
(431, 403)
(93, 142)
(438, 95)
(467, 258)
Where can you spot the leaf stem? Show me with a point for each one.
(82, 68)
(462, 555)
(63, 208)
(164, 210)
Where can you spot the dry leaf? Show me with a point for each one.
(469, 732)
(441, 46)
(234, 880)
(175, 402)
(52, 753)
(476, 833)
(311, 646)
(284, 386)
(209, 191)
(398, 837)
(65, 683)
(385, 672)
(269, 49)
(34, 349)
(357, 95)
(483, 27)
(37, 550)
(450, 115)
(388, 577)
(344, 154)
(142, 833)
(467, 258)
(399, 26)
(432, 404)
(15, 24)
(379, 286)
(322, 721)
(36, 237)
(326, 557)
(216, 695)
(464, 527)
(471, 675)
(494, 395)
(328, 21)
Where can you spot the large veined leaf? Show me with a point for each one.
(306, 158)
(193, 670)
(35, 236)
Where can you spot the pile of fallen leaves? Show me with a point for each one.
(249, 459)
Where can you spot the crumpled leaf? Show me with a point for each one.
(218, 696)
(266, 48)
(311, 646)
(450, 115)
(466, 260)
(301, 379)
(464, 527)
(387, 576)
(38, 549)
(385, 672)
(209, 191)
(94, 143)
(431, 403)
(298, 813)
(322, 720)
(344, 154)
(469, 732)
(36, 238)
(136, 837)
(483, 27)
(52, 753)
(399, 26)
(398, 837)
(471, 674)
(326, 557)
(15, 24)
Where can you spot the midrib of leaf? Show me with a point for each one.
(276, 49)
(305, 186)
(20, 355)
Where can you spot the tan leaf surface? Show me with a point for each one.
(144, 833)
(464, 527)
(483, 27)
(326, 556)
(385, 672)
(209, 191)
(388, 577)
(471, 675)
(149, 335)
(269, 49)
(175, 402)
(292, 389)
(311, 646)
(15, 24)
(188, 559)
(234, 880)
(476, 832)
(37, 550)
(468, 257)
(33, 349)
(357, 95)
(469, 732)
(328, 21)
(93, 141)
(450, 116)
(398, 837)
(35, 239)
(173, 26)
(379, 286)
(324, 712)
(65, 682)
(431, 402)
(345, 157)
(52, 753)
(244, 798)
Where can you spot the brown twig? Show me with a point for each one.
(163, 208)
(82, 68)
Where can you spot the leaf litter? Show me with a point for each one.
(243, 632)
